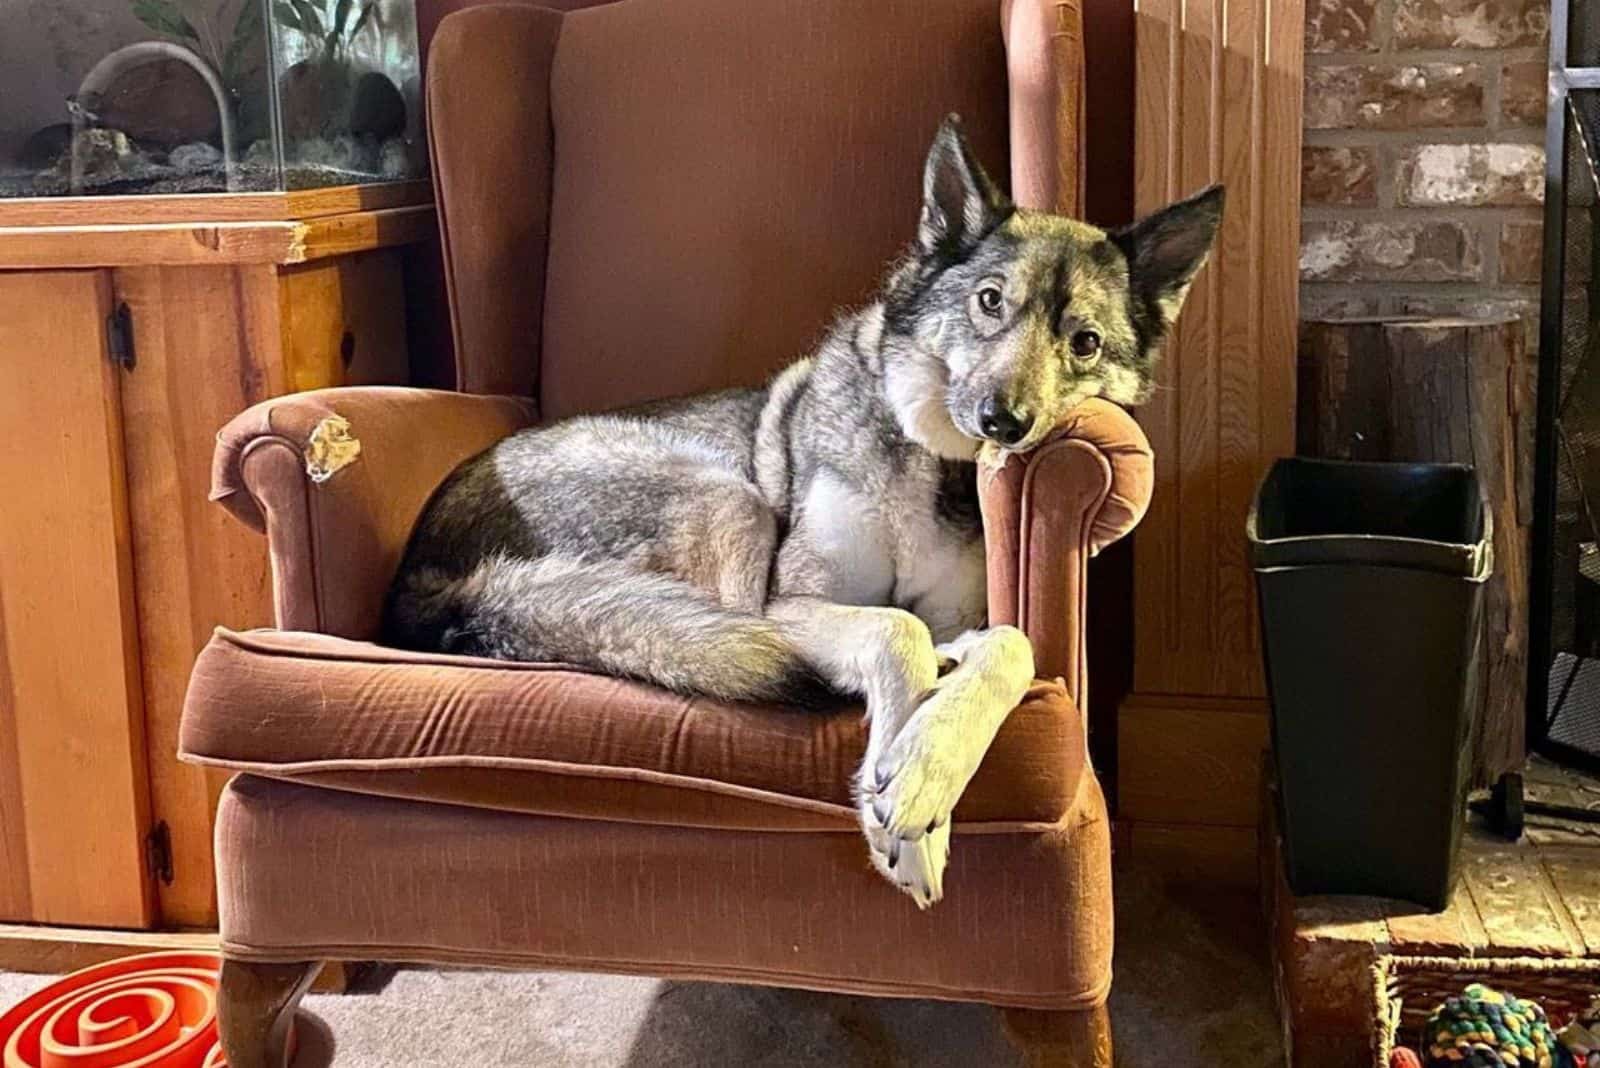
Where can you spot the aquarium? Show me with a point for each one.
(135, 97)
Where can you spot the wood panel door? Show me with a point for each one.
(1218, 100)
(210, 342)
(74, 802)
(206, 345)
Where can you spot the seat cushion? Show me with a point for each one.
(557, 740)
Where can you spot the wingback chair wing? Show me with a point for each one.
(644, 198)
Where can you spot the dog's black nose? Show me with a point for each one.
(1000, 422)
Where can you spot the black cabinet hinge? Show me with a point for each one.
(119, 336)
(158, 853)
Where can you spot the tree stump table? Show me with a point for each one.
(1442, 390)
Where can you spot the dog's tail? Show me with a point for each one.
(601, 615)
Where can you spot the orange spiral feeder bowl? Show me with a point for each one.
(155, 1010)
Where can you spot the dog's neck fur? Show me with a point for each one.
(913, 383)
(870, 390)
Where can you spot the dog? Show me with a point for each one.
(821, 534)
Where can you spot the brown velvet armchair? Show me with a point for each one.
(645, 198)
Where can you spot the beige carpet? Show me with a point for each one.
(1191, 991)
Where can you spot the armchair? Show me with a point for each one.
(644, 198)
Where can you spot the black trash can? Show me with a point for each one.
(1370, 578)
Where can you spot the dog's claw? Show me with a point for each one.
(880, 809)
(915, 861)
(881, 778)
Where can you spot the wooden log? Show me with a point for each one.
(1440, 390)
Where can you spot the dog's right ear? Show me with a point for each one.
(960, 205)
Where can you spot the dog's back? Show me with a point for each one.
(635, 543)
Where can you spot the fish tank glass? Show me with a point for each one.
(147, 97)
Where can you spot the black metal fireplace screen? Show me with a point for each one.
(1564, 592)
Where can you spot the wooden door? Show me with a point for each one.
(74, 803)
(209, 343)
(206, 345)
(1218, 100)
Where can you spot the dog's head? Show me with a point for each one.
(1001, 319)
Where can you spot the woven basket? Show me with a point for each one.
(1409, 988)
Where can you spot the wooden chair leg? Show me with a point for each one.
(1048, 1039)
(255, 1008)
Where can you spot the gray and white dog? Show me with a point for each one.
(821, 533)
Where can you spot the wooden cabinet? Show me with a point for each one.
(124, 346)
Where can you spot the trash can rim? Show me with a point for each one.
(1252, 525)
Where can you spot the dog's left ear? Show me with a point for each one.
(1166, 250)
(960, 205)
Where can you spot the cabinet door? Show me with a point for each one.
(344, 321)
(206, 340)
(74, 804)
(210, 342)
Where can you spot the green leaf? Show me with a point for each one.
(286, 15)
(247, 27)
(164, 17)
(361, 19)
(310, 17)
(341, 15)
(246, 32)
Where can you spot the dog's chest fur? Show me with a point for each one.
(873, 519)
(917, 546)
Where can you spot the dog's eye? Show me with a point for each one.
(1085, 343)
(991, 300)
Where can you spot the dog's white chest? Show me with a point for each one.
(852, 540)
(941, 577)
(909, 560)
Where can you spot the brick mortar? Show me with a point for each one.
(1406, 57)
(1495, 213)
(1383, 24)
(1426, 135)
(1391, 299)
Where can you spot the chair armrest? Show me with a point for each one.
(1045, 514)
(337, 477)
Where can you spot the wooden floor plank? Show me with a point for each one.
(1575, 873)
(45, 950)
(1509, 885)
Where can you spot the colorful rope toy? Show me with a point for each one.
(1483, 1028)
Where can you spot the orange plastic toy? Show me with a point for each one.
(155, 1010)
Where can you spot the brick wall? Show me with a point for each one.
(1423, 166)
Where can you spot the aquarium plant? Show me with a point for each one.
(199, 25)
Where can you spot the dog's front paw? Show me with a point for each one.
(917, 782)
(908, 794)
(914, 862)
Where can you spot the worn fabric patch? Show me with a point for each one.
(330, 448)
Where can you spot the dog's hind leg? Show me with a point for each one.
(885, 655)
